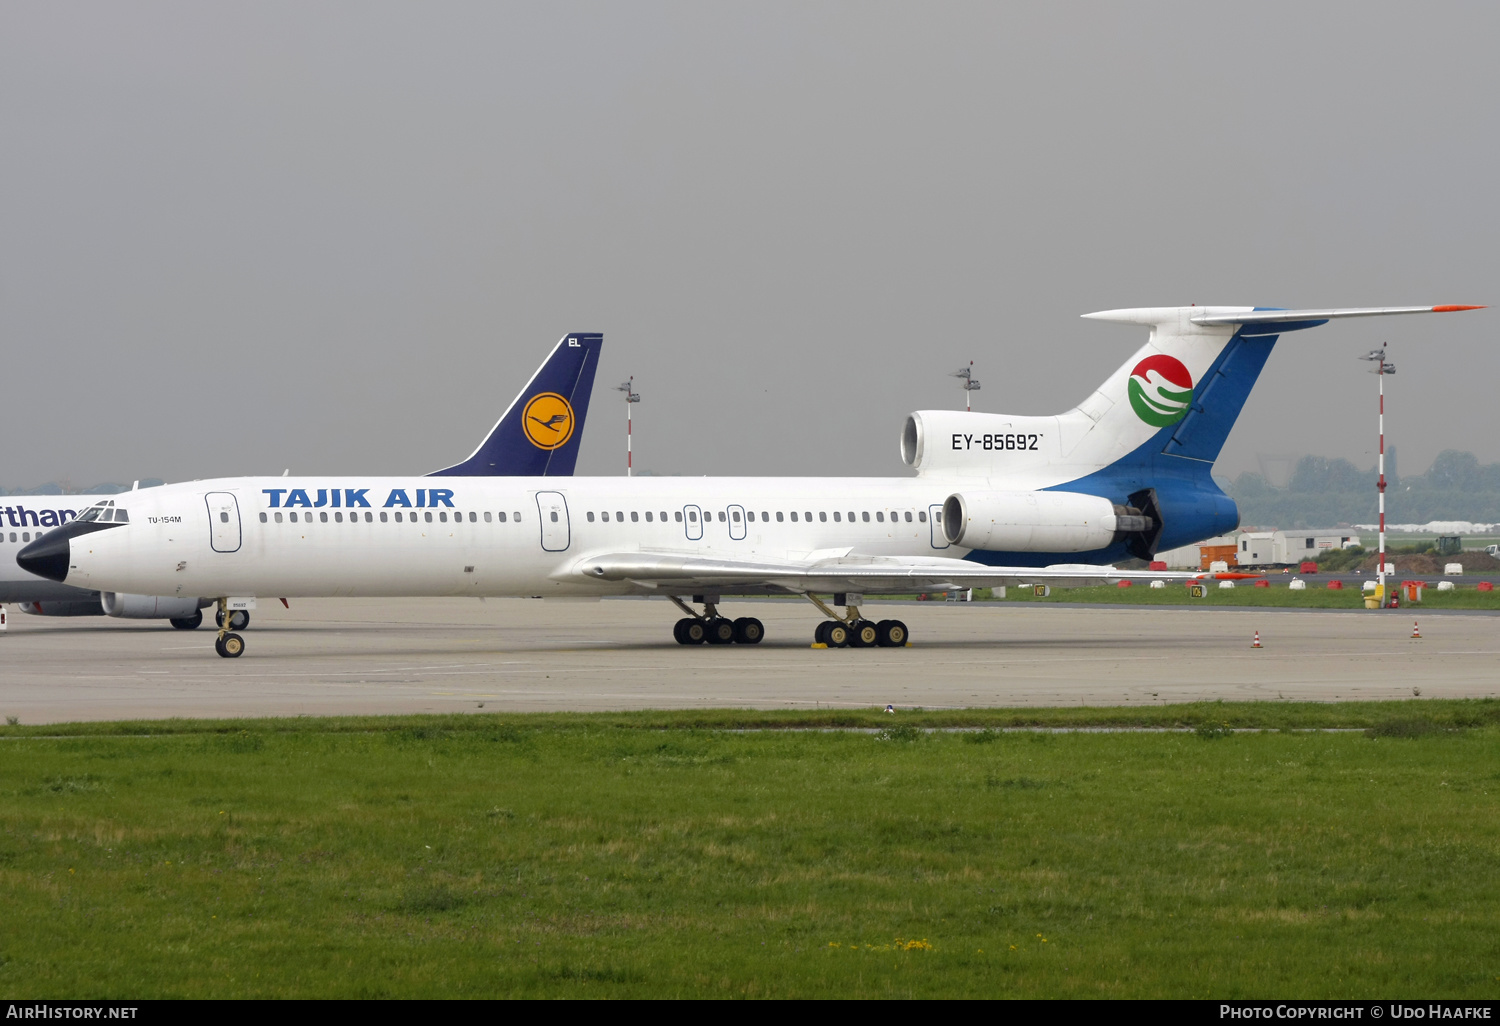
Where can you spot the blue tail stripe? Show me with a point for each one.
(508, 450)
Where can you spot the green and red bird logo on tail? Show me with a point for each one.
(1160, 390)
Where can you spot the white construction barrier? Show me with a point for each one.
(1226, 584)
(1370, 586)
(1298, 584)
(1445, 585)
(1158, 584)
(1453, 569)
(1218, 566)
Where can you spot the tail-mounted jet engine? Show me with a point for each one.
(1042, 521)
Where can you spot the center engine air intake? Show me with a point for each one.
(1039, 521)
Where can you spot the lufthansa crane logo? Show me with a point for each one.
(547, 421)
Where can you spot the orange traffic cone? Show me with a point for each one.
(1416, 632)
(1256, 643)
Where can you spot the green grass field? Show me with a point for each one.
(675, 854)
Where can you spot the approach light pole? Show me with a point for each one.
(630, 397)
(969, 384)
(1380, 370)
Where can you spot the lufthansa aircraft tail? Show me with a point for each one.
(539, 434)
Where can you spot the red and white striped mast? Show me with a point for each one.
(1381, 369)
(628, 387)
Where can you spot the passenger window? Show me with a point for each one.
(808, 516)
(693, 516)
(736, 516)
(822, 517)
(619, 516)
(604, 516)
(427, 517)
(867, 517)
(443, 516)
(677, 516)
(516, 516)
(26, 536)
(663, 516)
(474, 517)
(339, 517)
(382, 516)
(398, 516)
(922, 516)
(278, 518)
(765, 517)
(498, 516)
(370, 518)
(294, 516)
(721, 516)
(880, 516)
(648, 516)
(224, 517)
(908, 516)
(554, 516)
(937, 517)
(794, 516)
(836, 518)
(263, 518)
(635, 518)
(488, 516)
(321, 516)
(590, 517)
(852, 517)
(12, 536)
(778, 516)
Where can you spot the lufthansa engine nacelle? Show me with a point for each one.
(1031, 521)
(148, 607)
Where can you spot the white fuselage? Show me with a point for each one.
(491, 536)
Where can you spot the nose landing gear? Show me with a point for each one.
(228, 644)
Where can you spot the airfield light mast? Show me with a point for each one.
(628, 387)
(1380, 370)
(969, 384)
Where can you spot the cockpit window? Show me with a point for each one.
(92, 513)
(122, 517)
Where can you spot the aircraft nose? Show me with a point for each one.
(47, 556)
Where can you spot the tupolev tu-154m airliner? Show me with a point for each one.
(996, 500)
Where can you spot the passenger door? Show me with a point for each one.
(223, 521)
(935, 521)
(737, 523)
(692, 522)
(552, 510)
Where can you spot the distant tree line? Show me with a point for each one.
(1323, 492)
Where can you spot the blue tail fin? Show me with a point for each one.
(540, 432)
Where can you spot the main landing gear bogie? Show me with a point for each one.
(853, 630)
(188, 623)
(713, 629)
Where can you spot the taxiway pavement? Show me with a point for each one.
(369, 656)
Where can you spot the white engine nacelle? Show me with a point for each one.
(148, 607)
(1029, 521)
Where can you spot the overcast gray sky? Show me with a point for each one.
(339, 236)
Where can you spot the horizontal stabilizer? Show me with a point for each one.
(1285, 316)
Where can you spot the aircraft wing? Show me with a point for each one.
(669, 572)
